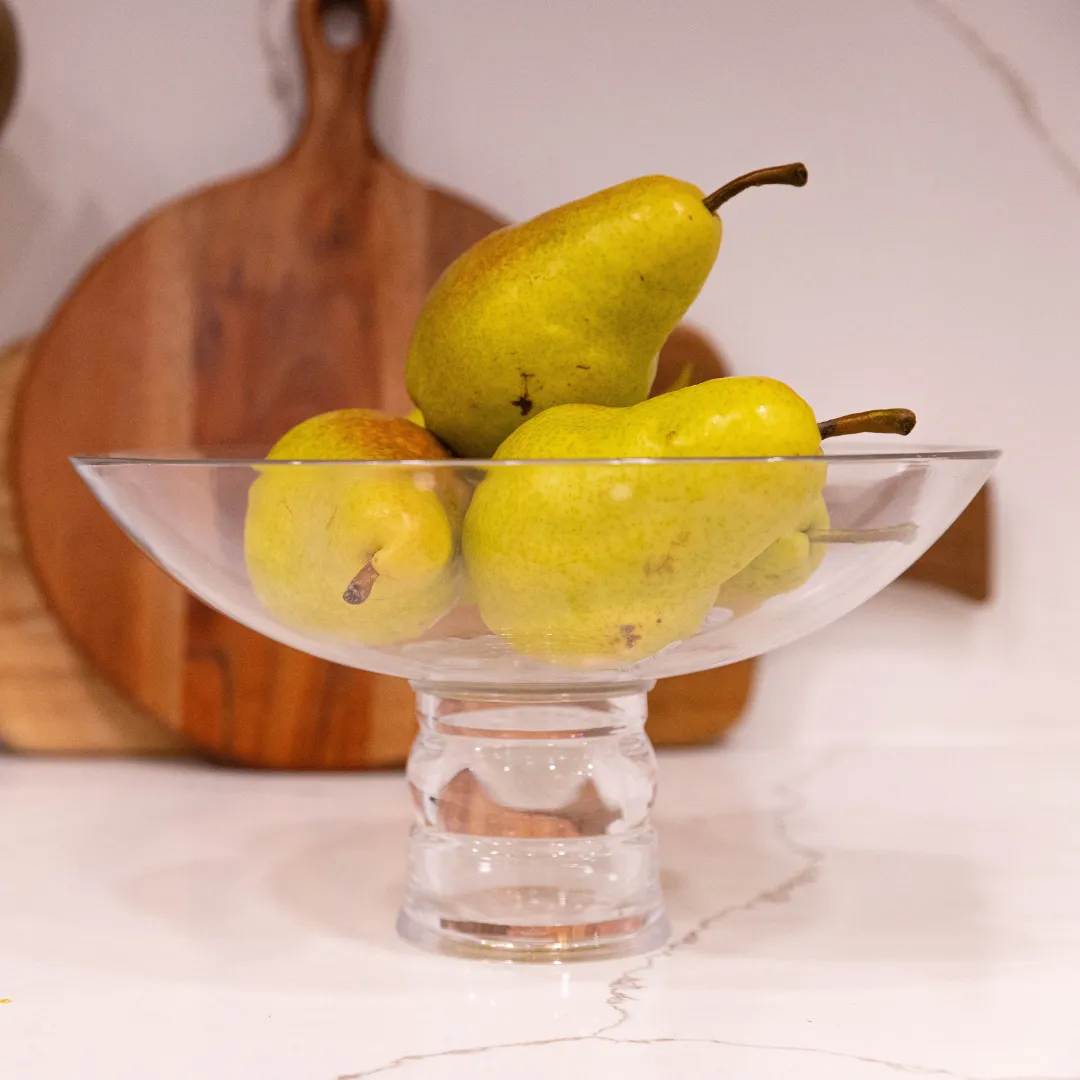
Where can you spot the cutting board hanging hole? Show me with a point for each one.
(340, 41)
(344, 23)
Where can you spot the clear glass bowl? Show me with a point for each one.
(532, 605)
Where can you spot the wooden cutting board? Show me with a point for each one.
(227, 317)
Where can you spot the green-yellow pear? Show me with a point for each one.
(353, 551)
(790, 560)
(599, 565)
(785, 565)
(569, 307)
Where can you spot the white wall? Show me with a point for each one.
(933, 261)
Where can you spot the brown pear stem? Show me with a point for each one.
(794, 174)
(359, 589)
(882, 421)
(903, 534)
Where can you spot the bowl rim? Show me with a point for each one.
(192, 457)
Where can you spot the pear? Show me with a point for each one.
(790, 561)
(355, 552)
(569, 307)
(785, 565)
(595, 564)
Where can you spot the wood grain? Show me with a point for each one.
(699, 708)
(50, 699)
(960, 561)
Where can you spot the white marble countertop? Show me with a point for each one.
(840, 912)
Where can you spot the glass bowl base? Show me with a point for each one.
(532, 837)
(549, 942)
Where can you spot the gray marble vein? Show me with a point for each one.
(730, 1044)
(1018, 89)
(790, 801)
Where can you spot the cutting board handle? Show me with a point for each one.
(339, 77)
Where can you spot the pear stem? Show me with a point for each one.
(794, 174)
(359, 589)
(903, 534)
(882, 421)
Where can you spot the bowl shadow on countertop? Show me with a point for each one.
(331, 878)
(767, 904)
(776, 917)
(346, 881)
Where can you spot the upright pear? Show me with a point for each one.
(569, 307)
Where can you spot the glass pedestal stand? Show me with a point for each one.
(532, 837)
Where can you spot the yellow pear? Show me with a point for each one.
(785, 565)
(569, 307)
(355, 551)
(594, 564)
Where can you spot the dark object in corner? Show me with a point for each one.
(9, 62)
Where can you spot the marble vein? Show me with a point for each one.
(790, 800)
(1023, 96)
(902, 1067)
(466, 1051)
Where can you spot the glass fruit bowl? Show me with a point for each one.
(532, 605)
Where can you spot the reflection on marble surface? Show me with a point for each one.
(846, 912)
